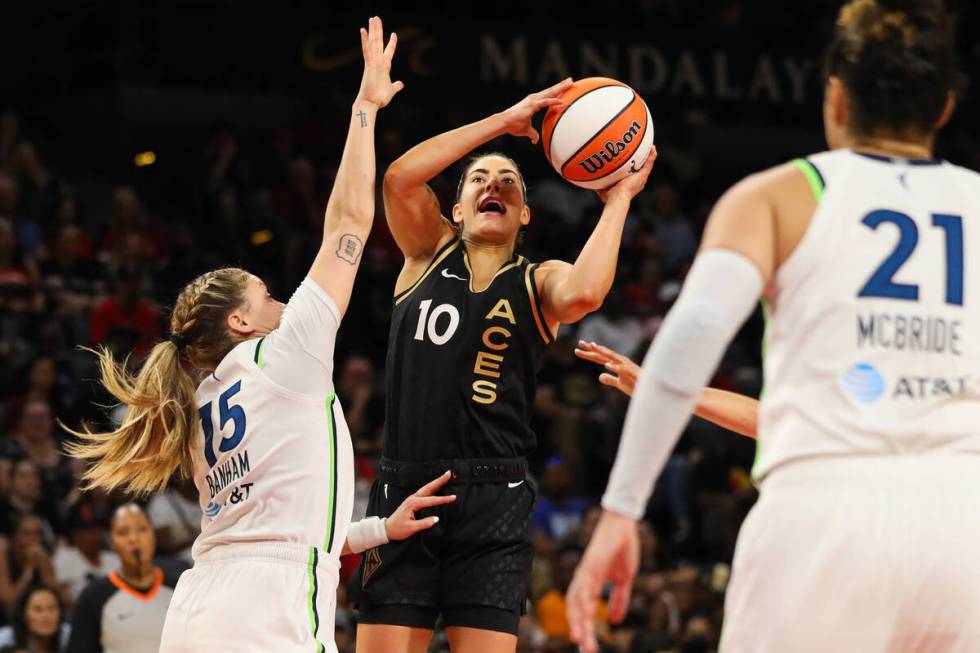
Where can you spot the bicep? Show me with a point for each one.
(415, 219)
(558, 299)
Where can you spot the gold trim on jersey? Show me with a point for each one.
(508, 266)
(432, 266)
(536, 311)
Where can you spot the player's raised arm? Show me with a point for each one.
(570, 292)
(721, 290)
(728, 410)
(350, 209)
(411, 207)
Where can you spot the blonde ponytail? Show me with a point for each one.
(156, 438)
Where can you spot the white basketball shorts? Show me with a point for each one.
(870, 554)
(254, 598)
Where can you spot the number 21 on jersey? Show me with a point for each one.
(882, 284)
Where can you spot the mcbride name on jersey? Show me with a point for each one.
(461, 364)
(872, 345)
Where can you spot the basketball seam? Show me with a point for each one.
(639, 139)
(599, 131)
(547, 149)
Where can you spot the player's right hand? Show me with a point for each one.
(376, 85)
(620, 372)
(403, 524)
(517, 119)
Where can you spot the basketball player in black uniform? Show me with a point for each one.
(470, 323)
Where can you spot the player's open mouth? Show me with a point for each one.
(491, 205)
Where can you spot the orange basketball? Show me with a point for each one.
(601, 132)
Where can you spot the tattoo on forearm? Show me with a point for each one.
(363, 117)
(349, 248)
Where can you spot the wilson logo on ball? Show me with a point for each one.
(598, 160)
(599, 133)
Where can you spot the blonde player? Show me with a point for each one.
(264, 436)
(864, 535)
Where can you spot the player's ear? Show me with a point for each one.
(457, 214)
(525, 214)
(238, 323)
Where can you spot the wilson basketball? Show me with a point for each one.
(601, 132)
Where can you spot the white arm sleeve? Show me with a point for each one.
(299, 354)
(367, 533)
(719, 294)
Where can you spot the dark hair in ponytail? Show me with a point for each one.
(897, 60)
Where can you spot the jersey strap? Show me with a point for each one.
(813, 177)
(440, 256)
(535, 299)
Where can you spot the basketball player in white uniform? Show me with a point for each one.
(864, 535)
(264, 435)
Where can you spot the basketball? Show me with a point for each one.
(599, 133)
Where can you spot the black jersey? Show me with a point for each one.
(461, 364)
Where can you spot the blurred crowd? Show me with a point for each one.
(88, 260)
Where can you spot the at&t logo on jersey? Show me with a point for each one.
(212, 510)
(863, 382)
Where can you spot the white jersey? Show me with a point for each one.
(273, 457)
(873, 341)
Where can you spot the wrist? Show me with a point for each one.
(367, 106)
(497, 123)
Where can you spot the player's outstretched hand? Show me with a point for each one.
(403, 524)
(620, 372)
(630, 185)
(517, 119)
(376, 85)
(613, 554)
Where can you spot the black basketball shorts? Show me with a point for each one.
(472, 568)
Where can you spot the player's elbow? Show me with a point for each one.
(396, 177)
(575, 307)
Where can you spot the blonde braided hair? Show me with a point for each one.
(155, 439)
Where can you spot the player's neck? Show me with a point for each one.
(485, 259)
(893, 147)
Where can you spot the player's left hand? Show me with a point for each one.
(630, 185)
(403, 524)
(621, 371)
(376, 85)
(613, 554)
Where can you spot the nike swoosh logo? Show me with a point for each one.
(446, 273)
(513, 485)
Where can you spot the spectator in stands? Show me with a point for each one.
(613, 324)
(550, 610)
(125, 320)
(35, 439)
(124, 612)
(128, 218)
(86, 558)
(559, 512)
(18, 273)
(25, 499)
(27, 231)
(72, 282)
(38, 623)
(25, 561)
(176, 516)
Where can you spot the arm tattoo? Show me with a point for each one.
(363, 117)
(349, 248)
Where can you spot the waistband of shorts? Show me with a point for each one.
(466, 470)
(291, 552)
(873, 471)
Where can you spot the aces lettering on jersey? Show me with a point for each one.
(915, 330)
(495, 341)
